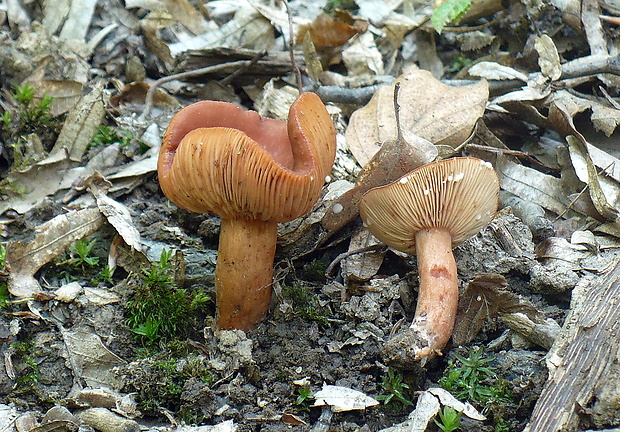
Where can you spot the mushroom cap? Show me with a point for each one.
(217, 157)
(459, 195)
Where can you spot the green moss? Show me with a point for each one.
(305, 302)
(160, 380)
(158, 310)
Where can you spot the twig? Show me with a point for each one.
(399, 131)
(372, 248)
(517, 153)
(290, 46)
(150, 94)
(232, 76)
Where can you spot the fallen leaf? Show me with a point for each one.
(186, 14)
(328, 31)
(116, 213)
(441, 114)
(496, 71)
(362, 57)
(248, 29)
(343, 399)
(82, 124)
(548, 57)
(78, 20)
(91, 360)
(486, 297)
(549, 192)
(51, 238)
(361, 267)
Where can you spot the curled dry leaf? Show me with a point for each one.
(116, 213)
(432, 110)
(394, 159)
(548, 57)
(487, 296)
(547, 191)
(360, 267)
(496, 71)
(605, 198)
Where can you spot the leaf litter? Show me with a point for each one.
(99, 64)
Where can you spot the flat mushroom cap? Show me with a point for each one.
(217, 157)
(459, 194)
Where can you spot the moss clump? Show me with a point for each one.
(305, 302)
(158, 310)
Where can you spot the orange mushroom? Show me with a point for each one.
(429, 211)
(253, 172)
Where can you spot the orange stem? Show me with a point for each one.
(244, 272)
(438, 297)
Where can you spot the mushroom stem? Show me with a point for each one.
(244, 272)
(438, 297)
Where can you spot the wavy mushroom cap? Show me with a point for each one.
(217, 157)
(459, 194)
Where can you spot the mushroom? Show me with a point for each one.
(428, 212)
(253, 172)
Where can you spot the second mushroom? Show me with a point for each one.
(428, 212)
(253, 172)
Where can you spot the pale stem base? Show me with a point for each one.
(244, 272)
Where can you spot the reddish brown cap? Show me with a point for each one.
(459, 194)
(217, 157)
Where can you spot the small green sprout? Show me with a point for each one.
(304, 398)
(449, 419)
(81, 256)
(6, 120)
(2, 257)
(105, 275)
(396, 389)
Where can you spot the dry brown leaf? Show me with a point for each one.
(393, 160)
(548, 57)
(91, 360)
(485, 297)
(51, 238)
(327, 31)
(66, 94)
(187, 15)
(432, 110)
(136, 93)
(476, 305)
(361, 267)
(82, 124)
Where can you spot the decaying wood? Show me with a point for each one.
(582, 356)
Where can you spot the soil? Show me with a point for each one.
(252, 377)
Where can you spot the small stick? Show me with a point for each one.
(232, 76)
(150, 94)
(399, 132)
(290, 46)
(372, 248)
